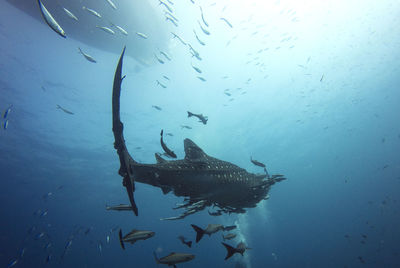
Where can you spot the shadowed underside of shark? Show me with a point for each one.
(201, 179)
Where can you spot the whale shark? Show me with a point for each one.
(201, 179)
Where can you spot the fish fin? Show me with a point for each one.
(199, 232)
(159, 159)
(189, 114)
(189, 243)
(155, 257)
(162, 131)
(230, 250)
(165, 190)
(193, 152)
(121, 242)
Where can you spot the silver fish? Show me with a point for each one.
(122, 30)
(134, 236)
(50, 20)
(87, 56)
(142, 35)
(204, 30)
(91, 11)
(227, 22)
(106, 29)
(70, 14)
(111, 4)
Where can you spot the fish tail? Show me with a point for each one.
(199, 232)
(162, 131)
(189, 244)
(155, 257)
(230, 250)
(189, 114)
(121, 242)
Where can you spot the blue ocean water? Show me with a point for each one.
(313, 92)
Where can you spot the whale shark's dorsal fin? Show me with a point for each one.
(194, 152)
(159, 159)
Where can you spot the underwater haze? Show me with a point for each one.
(309, 88)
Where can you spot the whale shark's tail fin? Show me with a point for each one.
(124, 157)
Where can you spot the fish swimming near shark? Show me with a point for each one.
(134, 236)
(203, 180)
(174, 258)
(203, 119)
(241, 248)
(164, 146)
(87, 56)
(183, 240)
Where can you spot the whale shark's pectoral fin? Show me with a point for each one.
(124, 157)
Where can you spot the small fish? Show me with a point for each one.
(227, 22)
(50, 20)
(161, 84)
(194, 52)
(108, 239)
(166, 13)
(44, 213)
(241, 248)
(166, 6)
(166, 56)
(158, 59)
(227, 93)
(66, 248)
(12, 263)
(134, 236)
(70, 14)
(38, 236)
(183, 240)
(202, 17)
(120, 207)
(166, 77)
(22, 253)
(196, 69)
(171, 20)
(169, 1)
(255, 162)
(122, 30)
(64, 110)
(5, 125)
(165, 148)
(201, 117)
(204, 30)
(228, 236)
(111, 4)
(230, 227)
(156, 107)
(322, 77)
(174, 258)
(87, 231)
(187, 127)
(91, 11)
(106, 29)
(202, 78)
(48, 258)
(210, 229)
(100, 246)
(179, 38)
(142, 35)
(198, 39)
(87, 56)
(48, 245)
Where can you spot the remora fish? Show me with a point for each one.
(134, 236)
(87, 56)
(201, 179)
(241, 248)
(201, 117)
(228, 236)
(70, 14)
(106, 29)
(255, 162)
(183, 240)
(210, 229)
(50, 20)
(111, 4)
(120, 207)
(165, 148)
(227, 22)
(91, 11)
(174, 258)
(64, 110)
